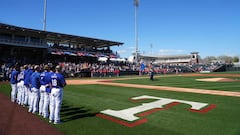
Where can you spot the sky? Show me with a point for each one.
(165, 27)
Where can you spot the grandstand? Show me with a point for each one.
(192, 58)
(27, 45)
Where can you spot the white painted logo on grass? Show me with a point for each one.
(135, 114)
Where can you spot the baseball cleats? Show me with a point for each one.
(57, 122)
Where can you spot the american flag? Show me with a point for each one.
(136, 3)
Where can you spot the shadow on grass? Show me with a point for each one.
(154, 79)
(70, 113)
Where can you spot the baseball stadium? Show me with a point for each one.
(99, 100)
(54, 83)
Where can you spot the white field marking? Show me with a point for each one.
(129, 113)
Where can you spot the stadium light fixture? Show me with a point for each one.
(45, 15)
(136, 4)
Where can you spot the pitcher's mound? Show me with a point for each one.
(217, 80)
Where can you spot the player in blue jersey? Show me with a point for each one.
(35, 85)
(13, 81)
(44, 84)
(25, 86)
(20, 86)
(57, 84)
(27, 75)
(47, 93)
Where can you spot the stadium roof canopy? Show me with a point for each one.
(55, 37)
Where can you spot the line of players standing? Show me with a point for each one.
(40, 88)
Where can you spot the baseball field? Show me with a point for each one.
(188, 104)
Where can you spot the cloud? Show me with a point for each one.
(130, 49)
(170, 51)
(122, 51)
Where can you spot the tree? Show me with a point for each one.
(235, 59)
(225, 59)
(221, 59)
(209, 59)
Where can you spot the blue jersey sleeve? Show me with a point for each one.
(62, 80)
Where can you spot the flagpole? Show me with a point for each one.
(45, 15)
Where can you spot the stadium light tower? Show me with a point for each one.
(45, 15)
(136, 4)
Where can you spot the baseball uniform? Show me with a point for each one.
(35, 85)
(13, 81)
(57, 83)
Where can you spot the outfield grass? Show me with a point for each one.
(82, 103)
(187, 82)
(227, 72)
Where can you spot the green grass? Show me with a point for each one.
(82, 102)
(187, 82)
(5, 89)
(228, 72)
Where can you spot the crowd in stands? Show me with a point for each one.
(89, 52)
(205, 67)
(109, 69)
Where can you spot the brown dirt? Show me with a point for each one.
(217, 80)
(15, 120)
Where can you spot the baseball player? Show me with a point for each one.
(57, 84)
(46, 101)
(27, 93)
(44, 83)
(13, 81)
(35, 85)
(20, 93)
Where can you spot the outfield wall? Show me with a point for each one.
(233, 68)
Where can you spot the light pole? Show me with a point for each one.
(136, 4)
(151, 46)
(45, 15)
